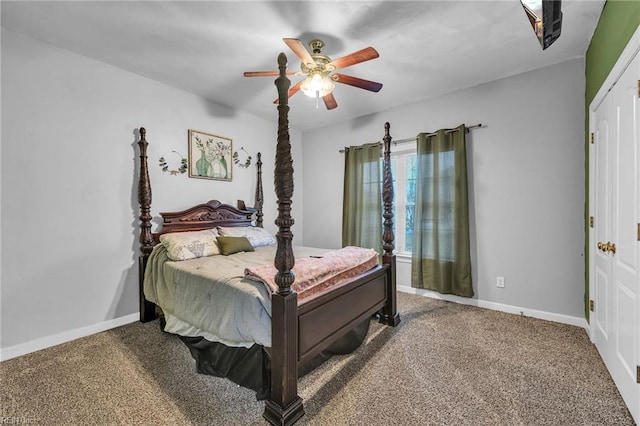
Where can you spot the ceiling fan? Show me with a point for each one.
(318, 69)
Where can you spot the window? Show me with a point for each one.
(403, 169)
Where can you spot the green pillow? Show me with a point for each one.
(230, 245)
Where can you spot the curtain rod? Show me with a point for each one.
(395, 142)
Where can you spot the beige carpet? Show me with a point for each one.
(446, 364)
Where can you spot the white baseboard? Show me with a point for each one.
(549, 316)
(67, 336)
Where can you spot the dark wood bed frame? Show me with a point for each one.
(299, 331)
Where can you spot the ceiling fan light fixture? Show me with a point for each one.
(317, 85)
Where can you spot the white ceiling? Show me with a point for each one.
(426, 48)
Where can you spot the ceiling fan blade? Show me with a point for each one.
(292, 90)
(356, 82)
(363, 55)
(330, 101)
(298, 48)
(265, 73)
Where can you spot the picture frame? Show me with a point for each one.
(210, 156)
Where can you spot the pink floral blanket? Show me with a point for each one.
(316, 273)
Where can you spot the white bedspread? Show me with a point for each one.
(210, 297)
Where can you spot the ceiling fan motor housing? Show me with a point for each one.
(316, 45)
(321, 61)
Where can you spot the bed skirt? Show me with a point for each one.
(251, 367)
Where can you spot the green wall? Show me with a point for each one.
(618, 22)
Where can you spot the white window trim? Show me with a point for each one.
(400, 199)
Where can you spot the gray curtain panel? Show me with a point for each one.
(441, 259)
(362, 200)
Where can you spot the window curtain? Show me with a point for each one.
(441, 259)
(362, 199)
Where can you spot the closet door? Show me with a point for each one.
(601, 321)
(624, 231)
(617, 233)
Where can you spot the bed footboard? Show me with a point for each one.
(326, 318)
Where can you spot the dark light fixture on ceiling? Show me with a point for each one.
(545, 17)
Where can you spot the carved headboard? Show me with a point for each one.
(204, 216)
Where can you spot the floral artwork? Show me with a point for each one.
(210, 156)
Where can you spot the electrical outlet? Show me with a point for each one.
(500, 282)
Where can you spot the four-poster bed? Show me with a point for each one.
(301, 328)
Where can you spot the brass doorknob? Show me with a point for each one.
(611, 247)
(607, 247)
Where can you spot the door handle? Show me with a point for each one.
(607, 247)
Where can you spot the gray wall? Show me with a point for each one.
(526, 181)
(69, 183)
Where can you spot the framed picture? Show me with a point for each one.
(210, 156)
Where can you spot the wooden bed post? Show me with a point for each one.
(259, 195)
(147, 309)
(389, 314)
(284, 406)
